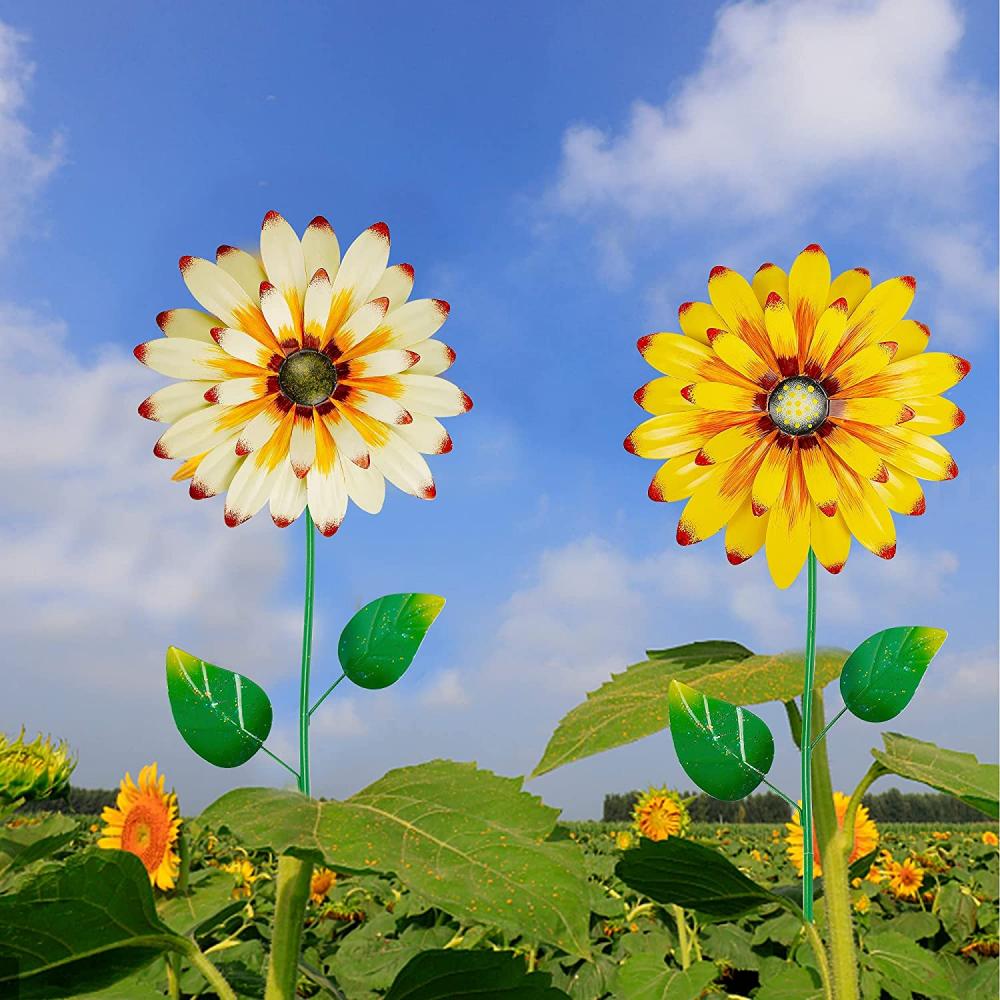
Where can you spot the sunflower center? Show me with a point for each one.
(144, 835)
(307, 377)
(798, 405)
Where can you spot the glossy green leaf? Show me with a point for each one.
(695, 654)
(950, 771)
(224, 717)
(698, 878)
(380, 641)
(447, 974)
(882, 674)
(22, 845)
(80, 926)
(724, 749)
(634, 704)
(647, 977)
(469, 841)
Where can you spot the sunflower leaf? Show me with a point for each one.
(882, 674)
(949, 771)
(724, 749)
(448, 974)
(80, 926)
(469, 841)
(679, 871)
(223, 716)
(633, 704)
(380, 641)
(646, 976)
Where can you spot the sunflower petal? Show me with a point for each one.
(302, 447)
(909, 450)
(175, 401)
(234, 391)
(781, 331)
(249, 490)
(830, 540)
(432, 395)
(194, 434)
(770, 278)
(734, 299)
(377, 406)
(787, 538)
(686, 359)
(388, 362)
(182, 357)
(316, 309)
(911, 338)
(366, 487)
(410, 324)
(770, 478)
(819, 479)
(362, 267)
(745, 534)
(326, 494)
(865, 514)
(282, 255)
(673, 434)
(396, 284)
(288, 496)
(243, 267)
(435, 357)
(826, 338)
(733, 440)
(743, 359)
(343, 434)
(721, 396)
(278, 311)
(934, 415)
(922, 375)
(860, 367)
(216, 470)
(404, 467)
(677, 478)
(845, 441)
(852, 286)
(662, 395)
(876, 314)
(808, 292)
(320, 248)
(426, 434)
(878, 411)
(697, 318)
(355, 328)
(259, 430)
(190, 323)
(901, 492)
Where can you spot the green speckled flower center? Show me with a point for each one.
(798, 405)
(307, 377)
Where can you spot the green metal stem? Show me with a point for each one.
(328, 691)
(827, 728)
(307, 630)
(806, 751)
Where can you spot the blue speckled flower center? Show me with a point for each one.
(798, 406)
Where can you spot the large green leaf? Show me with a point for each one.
(901, 962)
(224, 717)
(698, 878)
(882, 674)
(80, 926)
(792, 982)
(634, 703)
(647, 977)
(724, 749)
(469, 841)
(380, 641)
(21, 845)
(207, 901)
(950, 771)
(445, 974)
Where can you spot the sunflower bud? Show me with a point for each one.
(31, 771)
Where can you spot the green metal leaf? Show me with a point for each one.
(882, 674)
(380, 641)
(79, 926)
(224, 717)
(695, 877)
(448, 974)
(469, 841)
(633, 704)
(950, 771)
(724, 749)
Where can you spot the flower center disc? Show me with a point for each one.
(307, 377)
(798, 405)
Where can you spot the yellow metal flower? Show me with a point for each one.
(798, 412)
(146, 823)
(865, 835)
(989, 837)
(322, 881)
(307, 379)
(660, 813)
(905, 879)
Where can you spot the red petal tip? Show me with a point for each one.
(233, 519)
(907, 414)
(281, 522)
(756, 509)
(835, 568)
(643, 343)
(909, 281)
(702, 459)
(216, 332)
(959, 418)
(446, 445)
(763, 267)
(159, 451)
(919, 507)
(407, 269)
(963, 366)
(639, 395)
(882, 475)
(684, 536)
(224, 250)
(146, 410)
(185, 262)
(952, 472)
(271, 216)
(773, 301)
(198, 492)
(212, 394)
(380, 229)
(683, 308)
(628, 445)
(320, 223)
(841, 306)
(321, 275)
(813, 248)
(265, 287)
(717, 272)
(328, 530)
(466, 402)
(735, 558)
(451, 355)
(654, 492)
(887, 552)
(829, 509)
(924, 327)
(442, 307)
(429, 492)
(140, 351)
(163, 318)
(867, 274)
(242, 449)
(412, 357)
(688, 392)
(712, 333)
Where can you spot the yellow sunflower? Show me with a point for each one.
(905, 879)
(146, 823)
(797, 411)
(990, 838)
(322, 881)
(865, 835)
(660, 813)
(306, 379)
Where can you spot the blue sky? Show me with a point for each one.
(565, 181)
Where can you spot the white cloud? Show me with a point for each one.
(447, 690)
(791, 96)
(26, 162)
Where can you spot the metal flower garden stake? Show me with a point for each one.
(796, 412)
(303, 382)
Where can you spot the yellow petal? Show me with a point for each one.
(826, 338)
(934, 415)
(911, 338)
(788, 529)
(830, 540)
(733, 297)
(876, 314)
(781, 331)
(922, 375)
(860, 367)
(732, 440)
(684, 358)
(865, 514)
(847, 444)
(820, 481)
(901, 492)
(771, 476)
(878, 411)
(770, 278)
(697, 318)
(909, 450)
(852, 285)
(741, 358)
(678, 478)
(808, 292)
(745, 534)
(675, 433)
(662, 395)
(719, 396)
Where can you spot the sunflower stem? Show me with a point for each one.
(806, 750)
(307, 630)
(683, 937)
(294, 876)
(204, 965)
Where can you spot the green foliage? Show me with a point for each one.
(467, 840)
(647, 977)
(456, 975)
(882, 674)
(223, 716)
(380, 641)
(958, 774)
(22, 845)
(634, 703)
(724, 749)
